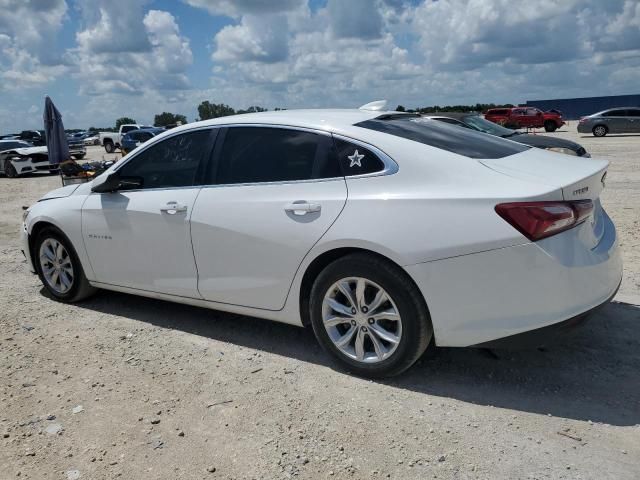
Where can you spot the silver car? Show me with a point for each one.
(614, 120)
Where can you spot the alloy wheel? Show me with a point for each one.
(56, 265)
(361, 320)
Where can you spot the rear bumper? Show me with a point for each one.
(482, 297)
(544, 335)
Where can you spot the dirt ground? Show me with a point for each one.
(127, 387)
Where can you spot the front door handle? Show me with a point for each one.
(172, 208)
(302, 207)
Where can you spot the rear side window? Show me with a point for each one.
(264, 154)
(172, 162)
(447, 137)
(633, 112)
(357, 160)
(616, 113)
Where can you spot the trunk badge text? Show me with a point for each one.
(580, 191)
(100, 237)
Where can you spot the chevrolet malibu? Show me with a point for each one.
(384, 232)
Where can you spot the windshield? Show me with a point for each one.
(479, 123)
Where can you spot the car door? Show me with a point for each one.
(140, 238)
(616, 120)
(273, 193)
(633, 116)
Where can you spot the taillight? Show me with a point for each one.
(537, 220)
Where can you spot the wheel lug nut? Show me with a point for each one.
(353, 322)
(364, 329)
(365, 309)
(370, 320)
(353, 311)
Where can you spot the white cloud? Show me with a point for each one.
(28, 32)
(237, 8)
(256, 38)
(161, 65)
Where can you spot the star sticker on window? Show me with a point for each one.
(355, 159)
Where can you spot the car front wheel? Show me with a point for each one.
(369, 315)
(59, 268)
(550, 126)
(109, 147)
(9, 169)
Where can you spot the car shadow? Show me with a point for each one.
(590, 374)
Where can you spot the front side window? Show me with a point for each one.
(128, 128)
(446, 137)
(172, 162)
(264, 154)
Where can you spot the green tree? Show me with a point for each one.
(400, 108)
(253, 109)
(166, 119)
(207, 110)
(124, 121)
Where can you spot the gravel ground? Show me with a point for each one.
(127, 387)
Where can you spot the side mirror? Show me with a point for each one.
(106, 183)
(114, 181)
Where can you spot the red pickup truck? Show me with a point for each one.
(525, 117)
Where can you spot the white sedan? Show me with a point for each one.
(384, 232)
(18, 157)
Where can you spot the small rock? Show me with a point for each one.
(155, 421)
(51, 417)
(77, 409)
(211, 469)
(181, 433)
(442, 458)
(73, 475)
(5, 435)
(53, 429)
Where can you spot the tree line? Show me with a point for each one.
(208, 110)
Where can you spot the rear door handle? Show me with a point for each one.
(172, 208)
(302, 207)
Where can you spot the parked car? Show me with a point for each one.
(135, 138)
(34, 137)
(476, 122)
(380, 230)
(18, 157)
(614, 120)
(76, 147)
(92, 139)
(525, 117)
(112, 140)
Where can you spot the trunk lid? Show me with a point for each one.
(576, 178)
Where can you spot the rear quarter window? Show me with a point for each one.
(462, 141)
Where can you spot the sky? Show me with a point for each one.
(103, 59)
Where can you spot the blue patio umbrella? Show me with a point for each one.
(54, 132)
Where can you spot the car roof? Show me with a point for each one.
(332, 120)
(455, 115)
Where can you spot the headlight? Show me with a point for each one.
(566, 151)
(20, 159)
(25, 214)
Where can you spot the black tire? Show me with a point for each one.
(550, 126)
(600, 130)
(79, 157)
(417, 330)
(80, 288)
(109, 147)
(9, 169)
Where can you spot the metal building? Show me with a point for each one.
(574, 108)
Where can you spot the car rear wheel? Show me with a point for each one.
(58, 267)
(9, 169)
(109, 147)
(550, 126)
(599, 131)
(369, 315)
(78, 157)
